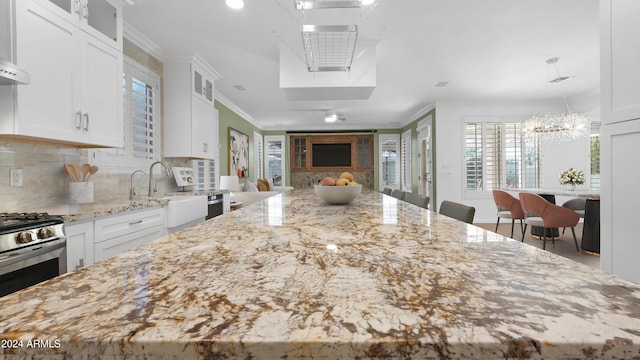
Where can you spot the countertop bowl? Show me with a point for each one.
(337, 195)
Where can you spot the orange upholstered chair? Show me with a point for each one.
(540, 212)
(509, 208)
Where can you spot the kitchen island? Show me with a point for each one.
(291, 277)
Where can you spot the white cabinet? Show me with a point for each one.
(79, 244)
(191, 121)
(100, 18)
(75, 95)
(620, 56)
(115, 234)
(620, 137)
(202, 83)
(94, 240)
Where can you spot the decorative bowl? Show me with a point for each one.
(337, 195)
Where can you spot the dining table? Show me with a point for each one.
(291, 277)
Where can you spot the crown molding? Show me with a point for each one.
(233, 107)
(141, 41)
(417, 115)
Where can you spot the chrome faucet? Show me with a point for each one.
(132, 191)
(166, 168)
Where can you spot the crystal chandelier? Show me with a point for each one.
(557, 126)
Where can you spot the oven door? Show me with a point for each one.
(43, 262)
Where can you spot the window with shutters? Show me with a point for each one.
(405, 161)
(389, 149)
(257, 154)
(497, 156)
(141, 94)
(275, 157)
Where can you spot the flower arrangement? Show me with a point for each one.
(572, 177)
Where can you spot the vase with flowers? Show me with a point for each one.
(572, 177)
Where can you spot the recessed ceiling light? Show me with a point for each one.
(235, 4)
(367, 2)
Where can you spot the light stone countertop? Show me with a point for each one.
(80, 212)
(291, 277)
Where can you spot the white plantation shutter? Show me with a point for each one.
(405, 164)
(496, 157)
(143, 118)
(258, 155)
(140, 96)
(473, 156)
(492, 156)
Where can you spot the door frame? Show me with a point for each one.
(425, 161)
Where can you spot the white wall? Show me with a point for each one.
(450, 117)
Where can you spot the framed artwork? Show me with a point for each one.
(238, 153)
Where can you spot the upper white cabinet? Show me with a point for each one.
(100, 18)
(620, 56)
(75, 94)
(191, 121)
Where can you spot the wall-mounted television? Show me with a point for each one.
(331, 155)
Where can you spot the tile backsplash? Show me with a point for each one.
(45, 183)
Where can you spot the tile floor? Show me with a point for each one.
(564, 246)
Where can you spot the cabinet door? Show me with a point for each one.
(102, 117)
(100, 18)
(619, 232)
(202, 84)
(79, 244)
(102, 21)
(203, 115)
(619, 61)
(197, 81)
(47, 46)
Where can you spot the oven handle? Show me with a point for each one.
(36, 255)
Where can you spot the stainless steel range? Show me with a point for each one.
(32, 250)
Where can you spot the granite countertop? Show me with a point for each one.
(79, 212)
(290, 277)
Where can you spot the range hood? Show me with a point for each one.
(10, 74)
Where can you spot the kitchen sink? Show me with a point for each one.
(185, 209)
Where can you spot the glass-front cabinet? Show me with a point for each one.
(97, 17)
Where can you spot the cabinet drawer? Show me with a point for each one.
(117, 245)
(131, 223)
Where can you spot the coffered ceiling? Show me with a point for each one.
(415, 52)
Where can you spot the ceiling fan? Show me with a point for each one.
(331, 116)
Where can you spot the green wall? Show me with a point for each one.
(229, 119)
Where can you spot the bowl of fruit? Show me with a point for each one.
(338, 191)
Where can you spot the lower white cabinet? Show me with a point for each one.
(103, 237)
(119, 233)
(79, 244)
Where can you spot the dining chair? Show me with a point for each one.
(509, 208)
(386, 191)
(418, 200)
(540, 212)
(398, 194)
(576, 204)
(457, 211)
